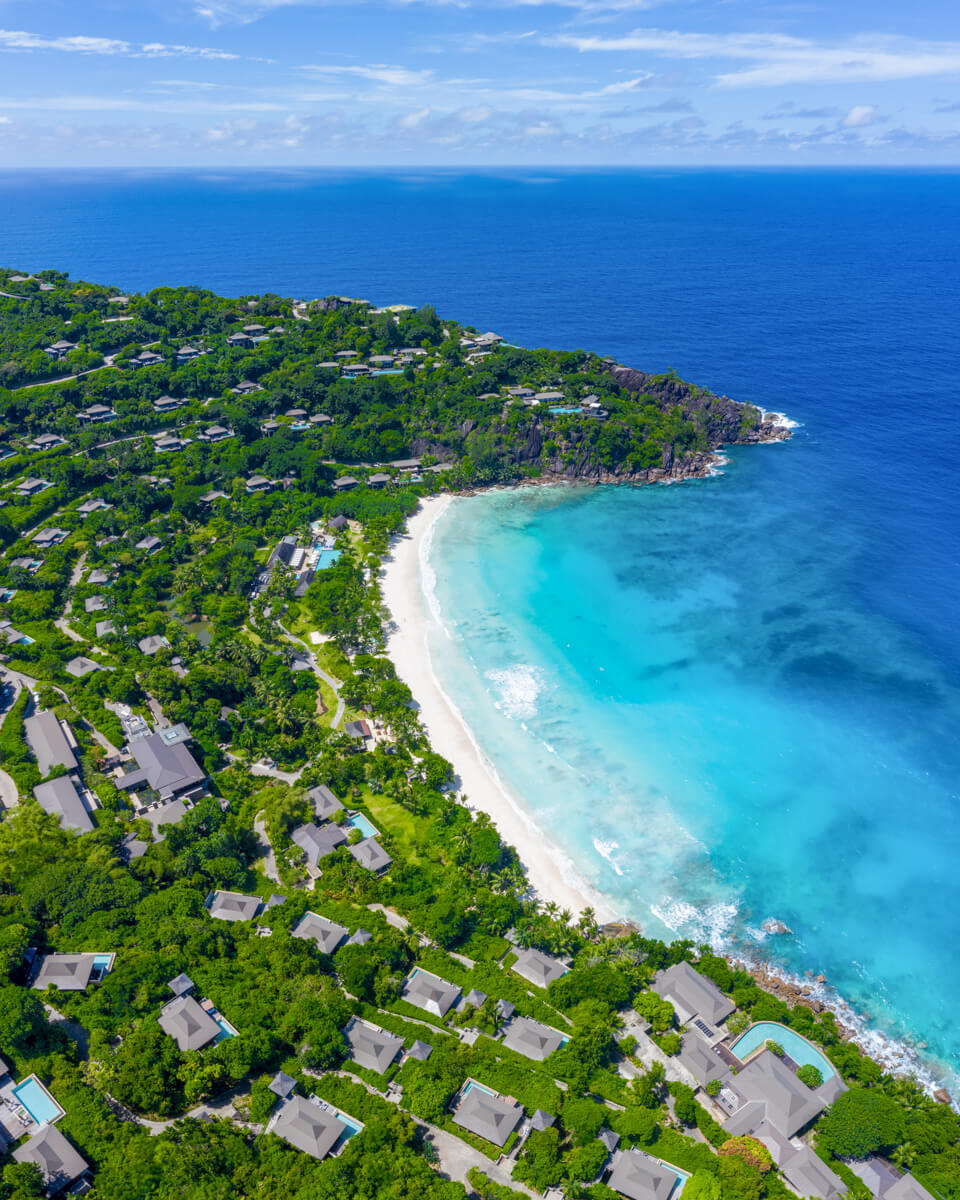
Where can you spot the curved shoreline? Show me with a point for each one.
(553, 876)
(551, 873)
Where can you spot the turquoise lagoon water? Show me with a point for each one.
(37, 1100)
(798, 1048)
(686, 690)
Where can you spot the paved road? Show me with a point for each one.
(61, 624)
(268, 856)
(330, 680)
(76, 573)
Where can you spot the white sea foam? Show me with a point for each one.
(780, 420)
(711, 924)
(714, 924)
(895, 1055)
(605, 850)
(518, 688)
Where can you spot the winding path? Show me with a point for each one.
(331, 681)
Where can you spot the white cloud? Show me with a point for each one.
(860, 115)
(377, 73)
(412, 120)
(19, 39)
(130, 104)
(782, 59)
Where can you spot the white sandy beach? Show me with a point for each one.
(549, 870)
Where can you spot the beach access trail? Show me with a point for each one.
(449, 735)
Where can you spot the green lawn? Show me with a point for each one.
(395, 820)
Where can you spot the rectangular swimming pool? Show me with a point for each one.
(226, 1029)
(357, 820)
(326, 558)
(472, 1085)
(37, 1101)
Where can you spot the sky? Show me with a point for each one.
(461, 83)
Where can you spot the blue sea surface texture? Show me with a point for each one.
(727, 700)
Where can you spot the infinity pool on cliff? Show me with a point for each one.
(796, 1047)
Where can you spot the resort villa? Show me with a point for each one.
(64, 797)
(371, 1046)
(639, 1176)
(72, 972)
(317, 842)
(532, 1039)
(538, 968)
(485, 1113)
(327, 935)
(191, 1023)
(167, 779)
(28, 1109)
(233, 906)
(313, 1126)
(429, 992)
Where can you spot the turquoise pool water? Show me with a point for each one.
(358, 821)
(351, 1126)
(37, 1100)
(566, 410)
(326, 558)
(102, 962)
(226, 1029)
(393, 371)
(798, 1048)
(472, 1085)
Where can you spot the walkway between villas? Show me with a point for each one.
(267, 856)
(330, 680)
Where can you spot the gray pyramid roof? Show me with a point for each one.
(531, 1039)
(282, 1085)
(371, 1046)
(692, 994)
(325, 804)
(770, 1088)
(318, 841)
(187, 1023)
(60, 1164)
(430, 992)
(370, 854)
(640, 1177)
(487, 1116)
(307, 1127)
(67, 972)
(538, 968)
(327, 934)
(233, 906)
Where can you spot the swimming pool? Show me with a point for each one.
(357, 820)
(471, 1085)
(394, 371)
(798, 1048)
(351, 1126)
(102, 962)
(37, 1101)
(226, 1029)
(566, 410)
(326, 558)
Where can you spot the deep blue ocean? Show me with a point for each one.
(727, 700)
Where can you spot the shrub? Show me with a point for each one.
(859, 1123)
(775, 1048)
(810, 1075)
(750, 1150)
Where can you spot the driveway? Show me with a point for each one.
(267, 854)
